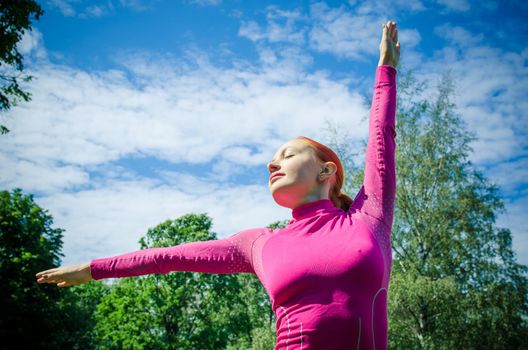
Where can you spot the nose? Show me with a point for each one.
(272, 167)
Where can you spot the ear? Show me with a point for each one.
(328, 168)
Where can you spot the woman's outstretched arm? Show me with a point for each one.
(221, 256)
(376, 197)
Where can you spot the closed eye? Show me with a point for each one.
(291, 155)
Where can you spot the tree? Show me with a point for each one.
(179, 310)
(15, 18)
(258, 308)
(446, 233)
(35, 316)
(80, 304)
(455, 281)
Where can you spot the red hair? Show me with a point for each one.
(325, 154)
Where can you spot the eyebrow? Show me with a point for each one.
(284, 150)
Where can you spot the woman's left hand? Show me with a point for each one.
(389, 46)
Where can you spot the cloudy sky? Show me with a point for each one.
(144, 111)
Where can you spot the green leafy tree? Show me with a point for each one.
(258, 308)
(15, 18)
(467, 277)
(27, 242)
(455, 281)
(178, 310)
(79, 305)
(34, 316)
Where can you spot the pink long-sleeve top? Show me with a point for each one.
(327, 272)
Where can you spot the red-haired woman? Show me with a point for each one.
(327, 272)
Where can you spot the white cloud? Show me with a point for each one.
(510, 175)
(514, 219)
(251, 30)
(31, 43)
(137, 5)
(382, 7)
(339, 32)
(354, 36)
(206, 2)
(282, 26)
(458, 35)
(345, 33)
(489, 87)
(39, 175)
(64, 6)
(455, 5)
(96, 9)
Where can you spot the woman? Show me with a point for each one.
(327, 272)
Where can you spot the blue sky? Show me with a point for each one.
(148, 110)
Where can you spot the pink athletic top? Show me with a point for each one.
(327, 272)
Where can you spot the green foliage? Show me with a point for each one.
(80, 304)
(455, 282)
(34, 315)
(412, 298)
(257, 306)
(184, 310)
(15, 18)
(27, 242)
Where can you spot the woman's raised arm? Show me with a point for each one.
(376, 196)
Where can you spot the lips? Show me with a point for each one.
(275, 175)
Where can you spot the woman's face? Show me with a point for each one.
(301, 170)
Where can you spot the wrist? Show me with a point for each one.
(386, 63)
(86, 268)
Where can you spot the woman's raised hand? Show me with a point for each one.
(389, 46)
(66, 276)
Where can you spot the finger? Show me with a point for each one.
(393, 34)
(53, 278)
(45, 272)
(63, 284)
(394, 28)
(43, 278)
(51, 275)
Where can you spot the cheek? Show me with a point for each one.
(304, 171)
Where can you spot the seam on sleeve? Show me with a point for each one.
(380, 164)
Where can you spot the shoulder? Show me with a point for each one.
(251, 234)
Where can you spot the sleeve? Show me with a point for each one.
(376, 197)
(221, 256)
